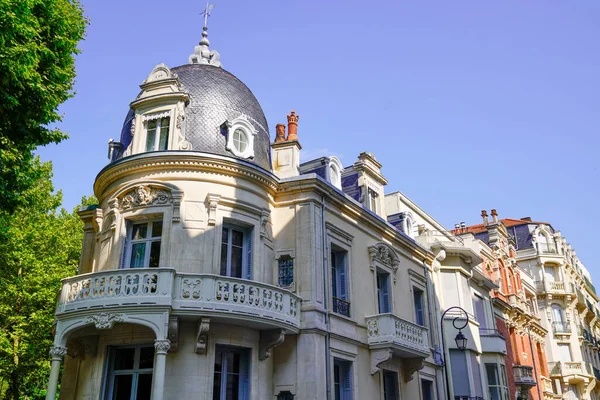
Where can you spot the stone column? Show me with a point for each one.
(57, 354)
(160, 363)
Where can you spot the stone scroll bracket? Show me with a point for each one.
(410, 366)
(202, 336)
(269, 339)
(173, 333)
(378, 357)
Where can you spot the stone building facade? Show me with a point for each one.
(216, 266)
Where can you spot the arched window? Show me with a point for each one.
(334, 172)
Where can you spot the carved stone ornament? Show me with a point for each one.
(132, 129)
(57, 352)
(266, 228)
(103, 321)
(162, 345)
(385, 255)
(202, 337)
(173, 333)
(180, 117)
(378, 357)
(372, 328)
(160, 72)
(410, 366)
(268, 341)
(213, 202)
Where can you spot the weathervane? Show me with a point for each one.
(206, 13)
(202, 54)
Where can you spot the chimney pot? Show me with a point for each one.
(279, 133)
(292, 126)
(494, 215)
(463, 225)
(484, 215)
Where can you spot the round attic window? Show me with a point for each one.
(240, 140)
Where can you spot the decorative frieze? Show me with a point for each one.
(103, 321)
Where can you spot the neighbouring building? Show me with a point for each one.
(549, 307)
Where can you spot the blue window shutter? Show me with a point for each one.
(248, 269)
(347, 380)
(126, 244)
(385, 293)
(244, 375)
(341, 268)
(334, 277)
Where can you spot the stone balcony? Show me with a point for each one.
(553, 287)
(225, 299)
(523, 375)
(567, 368)
(391, 336)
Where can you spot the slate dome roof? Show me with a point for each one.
(216, 96)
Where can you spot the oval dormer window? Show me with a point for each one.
(240, 140)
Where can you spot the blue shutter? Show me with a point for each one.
(341, 270)
(244, 375)
(248, 268)
(126, 244)
(385, 293)
(346, 368)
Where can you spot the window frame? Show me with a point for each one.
(247, 250)
(241, 123)
(109, 375)
(244, 388)
(417, 289)
(158, 133)
(345, 368)
(339, 279)
(130, 242)
(384, 297)
(395, 381)
(431, 387)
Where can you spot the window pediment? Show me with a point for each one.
(384, 255)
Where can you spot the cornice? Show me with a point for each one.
(170, 162)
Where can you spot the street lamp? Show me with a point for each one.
(460, 339)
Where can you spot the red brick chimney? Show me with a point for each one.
(279, 133)
(292, 126)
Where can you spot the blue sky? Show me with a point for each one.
(469, 105)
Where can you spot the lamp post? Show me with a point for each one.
(460, 339)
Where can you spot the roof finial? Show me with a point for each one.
(202, 55)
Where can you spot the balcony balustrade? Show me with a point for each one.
(561, 327)
(468, 398)
(547, 248)
(406, 338)
(523, 375)
(210, 295)
(596, 373)
(555, 287)
(565, 368)
(589, 284)
(341, 307)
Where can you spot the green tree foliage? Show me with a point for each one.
(40, 244)
(38, 42)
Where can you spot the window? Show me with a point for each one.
(334, 176)
(418, 295)
(232, 374)
(157, 134)
(476, 374)
(479, 307)
(372, 200)
(564, 352)
(240, 140)
(129, 373)
(426, 389)
(339, 282)
(460, 373)
(390, 385)
(408, 227)
(383, 292)
(342, 379)
(497, 382)
(285, 396)
(236, 252)
(142, 249)
(286, 271)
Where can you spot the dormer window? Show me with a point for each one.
(334, 171)
(157, 133)
(240, 137)
(372, 200)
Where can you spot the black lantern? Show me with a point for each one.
(461, 341)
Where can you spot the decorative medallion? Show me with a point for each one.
(103, 321)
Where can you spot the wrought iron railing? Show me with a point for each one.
(561, 327)
(341, 307)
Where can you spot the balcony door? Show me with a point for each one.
(129, 373)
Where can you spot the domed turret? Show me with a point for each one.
(199, 107)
